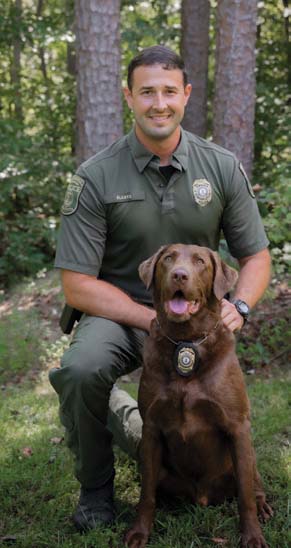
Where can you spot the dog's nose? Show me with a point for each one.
(180, 275)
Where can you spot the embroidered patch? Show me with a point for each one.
(249, 186)
(202, 192)
(72, 196)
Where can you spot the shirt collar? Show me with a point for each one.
(142, 156)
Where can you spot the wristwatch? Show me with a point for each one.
(242, 308)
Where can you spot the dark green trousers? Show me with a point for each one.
(100, 352)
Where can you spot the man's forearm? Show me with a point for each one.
(99, 298)
(254, 277)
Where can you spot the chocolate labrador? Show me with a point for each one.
(192, 398)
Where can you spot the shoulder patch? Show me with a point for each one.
(72, 196)
(249, 186)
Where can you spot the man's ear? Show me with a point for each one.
(146, 269)
(187, 92)
(128, 97)
(224, 277)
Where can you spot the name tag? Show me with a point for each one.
(124, 197)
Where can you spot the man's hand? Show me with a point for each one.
(230, 316)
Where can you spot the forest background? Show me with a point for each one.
(40, 128)
(62, 64)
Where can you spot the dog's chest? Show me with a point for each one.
(186, 410)
(192, 431)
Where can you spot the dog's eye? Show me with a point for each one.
(168, 258)
(200, 261)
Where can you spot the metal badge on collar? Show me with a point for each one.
(202, 192)
(186, 358)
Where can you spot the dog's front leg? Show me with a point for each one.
(150, 467)
(251, 534)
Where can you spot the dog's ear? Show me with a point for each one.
(224, 276)
(147, 268)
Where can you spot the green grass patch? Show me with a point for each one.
(39, 492)
(20, 343)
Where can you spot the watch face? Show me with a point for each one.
(243, 307)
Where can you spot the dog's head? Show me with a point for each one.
(185, 278)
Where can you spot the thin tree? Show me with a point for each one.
(15, 69)
(234, 101)
(99, 106)
(194, 50)
(286, 15)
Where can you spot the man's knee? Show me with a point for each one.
(88, 367)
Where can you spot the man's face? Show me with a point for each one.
(158, 99)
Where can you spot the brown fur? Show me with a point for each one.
(196, 430)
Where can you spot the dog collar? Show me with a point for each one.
(186, 357)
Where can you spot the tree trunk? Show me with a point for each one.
(234, 101)
(194, 50)
(15, 70)
(99, 106)
(287, 41)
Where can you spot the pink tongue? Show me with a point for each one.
(178, 306)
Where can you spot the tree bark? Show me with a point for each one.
(287, 41)
(234, 100)
(194, 50)
(15, 70)
(99, 106)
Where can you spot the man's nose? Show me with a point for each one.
(159, 102)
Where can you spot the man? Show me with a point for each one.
(157, 185)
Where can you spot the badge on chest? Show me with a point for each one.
(186, 358)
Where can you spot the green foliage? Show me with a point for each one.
(36, 151)
(37, 118)
(273, 81)
(32, 182)
(272, 150)
(274, 205)
(273, 339)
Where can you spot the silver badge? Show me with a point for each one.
(202, 192)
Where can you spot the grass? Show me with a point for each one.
(38, 491)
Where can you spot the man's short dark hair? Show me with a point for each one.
(156, 55)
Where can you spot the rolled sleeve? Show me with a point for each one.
(82, 235)
(241, 222)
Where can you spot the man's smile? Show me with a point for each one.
(159, 117)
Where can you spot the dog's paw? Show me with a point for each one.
(253, 538)
(265, 511)
(135, 538)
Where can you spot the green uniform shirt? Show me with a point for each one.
(119, 209)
